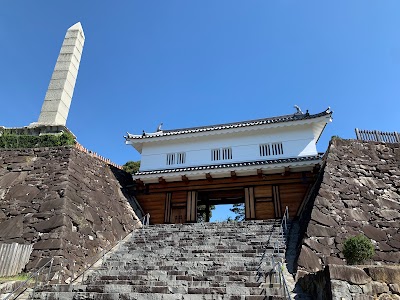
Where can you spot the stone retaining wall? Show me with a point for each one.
(353, 282)
(359, 193)
(66, 203)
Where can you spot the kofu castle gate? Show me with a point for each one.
(266, 164)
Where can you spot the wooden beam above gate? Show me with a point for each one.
(209, 177)
(286, 172)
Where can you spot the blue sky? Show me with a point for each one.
(189, 63)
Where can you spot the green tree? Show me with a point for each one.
(238, 209)
(131, 167)
(357, 249)
(201, 213)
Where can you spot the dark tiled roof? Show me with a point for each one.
(279, 119)
(234, 165)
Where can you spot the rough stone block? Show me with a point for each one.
(52, 223)
(11, 228)
(50, 244)
(350, 274)
(309, 260)
(375, 288)
(374, 233)
(395, 288)
(387, 274)
(323, 219)
(317, 230)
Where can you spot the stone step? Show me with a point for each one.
(182, 281)
(211, 236)
(177, 288)
(239, 244)
(129, 276)
(210, 239)
(173, 274)
(165, 289)
(155, 250)
(217, 247)
(186, 262)
(236, 242)
(205, 231)
(156, 296)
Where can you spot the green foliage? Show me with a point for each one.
(9, 140)
(238, 209)
(201, 213)
(67, 139)
(357, 249)
(131, 167)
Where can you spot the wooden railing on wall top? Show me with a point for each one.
(377, 136)
(96, 155)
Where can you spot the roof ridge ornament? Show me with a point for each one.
(298, 110)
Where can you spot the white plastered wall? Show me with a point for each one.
(297, 141)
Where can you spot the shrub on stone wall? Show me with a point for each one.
(15, 141)
(357, 249)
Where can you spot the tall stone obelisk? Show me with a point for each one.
(62, 83)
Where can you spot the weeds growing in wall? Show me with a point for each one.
(9, 140)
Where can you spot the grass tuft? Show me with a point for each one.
(19, 277)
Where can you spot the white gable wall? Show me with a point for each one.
(296, 140)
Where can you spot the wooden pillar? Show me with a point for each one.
(249, 203)
(277, 201)
(191, 207)
(167, 210)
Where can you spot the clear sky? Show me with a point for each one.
(190, 63)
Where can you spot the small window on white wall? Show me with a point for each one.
(170, 158)
(181, 157)
(265, 150)
(215, 154)
(176, 158)
(277, 149)
(226, 153)
(221, 154)
(271, 149)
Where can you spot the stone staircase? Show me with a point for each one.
(185, 261)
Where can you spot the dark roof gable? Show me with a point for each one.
(272, 120)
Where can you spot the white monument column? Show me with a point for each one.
(61, 88)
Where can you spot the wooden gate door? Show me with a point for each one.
(249, 204)
(175, 208)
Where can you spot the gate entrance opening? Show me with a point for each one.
(206, 199)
